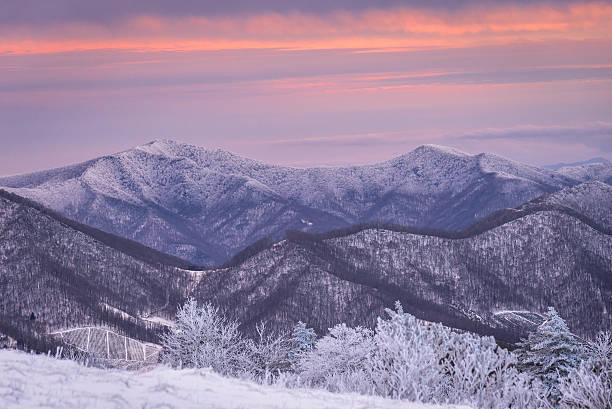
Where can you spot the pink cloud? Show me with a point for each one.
(378, 29)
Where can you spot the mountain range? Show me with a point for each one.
(544, 253)
(206, 205)
(576, 164)
(491, 276)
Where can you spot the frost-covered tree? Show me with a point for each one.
(268, 354)
(303, 340)
(550, 353)
(589, 386)
(405, 364)
(340, 360)
(485, 375)
(203, 337)
(406, 358)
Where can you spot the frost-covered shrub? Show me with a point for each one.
(406, 362)
(409, 359)
(589, 386)
(485, 375)
(203, 337)
(268, 355)
(404, 358)
(339, 361)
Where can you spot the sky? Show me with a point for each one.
(305, 83)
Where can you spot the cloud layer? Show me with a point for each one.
(370, 29)
(305, 82)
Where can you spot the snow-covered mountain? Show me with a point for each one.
(590, 172)
(542, 254)
(592, 199)
(581, 163)
(70, 275)
(205, 205)
(56, 274)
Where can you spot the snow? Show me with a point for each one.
(119, 312)
(590, 172)
(108, 344)
(152, 192)
(159, 320)
(30, 381)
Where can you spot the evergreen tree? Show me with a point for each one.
(303, 340)
(32, 317)
(550, 353)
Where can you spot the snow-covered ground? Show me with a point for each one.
(30, 381)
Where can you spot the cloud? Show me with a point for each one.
(596, 135)
(113, 11)
(300, 28)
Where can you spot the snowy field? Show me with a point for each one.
(30, 381)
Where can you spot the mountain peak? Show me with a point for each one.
(440, 149)
(158, 146)
(171, 147)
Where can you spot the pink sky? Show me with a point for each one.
(528, 80)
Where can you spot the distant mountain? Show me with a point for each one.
(204, 205)
(591, 199)
(491, 278)
(582, 163)
(593, 172)
(56, 274)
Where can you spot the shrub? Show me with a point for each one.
(268, 355)
(339, 361)
(589, 386)
(202, 337)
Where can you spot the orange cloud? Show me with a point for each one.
(371, 30)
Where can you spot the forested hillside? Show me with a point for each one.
(53, 276)
(524, 260)
(492, 277)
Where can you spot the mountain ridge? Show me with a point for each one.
(206, 205)
(348, 275)
(602, 221)
(560, 165)
(523, 264)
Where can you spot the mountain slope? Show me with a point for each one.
(592, 172)
(204, 205)
(591, 199)
(525, 262)
(62, 277)
(33, 381)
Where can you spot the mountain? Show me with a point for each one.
(492, 277)
(206, 205)
(592, 199)
(592, 172)
(569, 165)
(485, 278)
(56, 274)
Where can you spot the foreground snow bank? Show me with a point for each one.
(30, 381)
